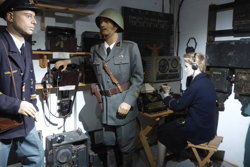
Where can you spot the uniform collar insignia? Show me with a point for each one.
(118, 44)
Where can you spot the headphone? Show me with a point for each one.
(191, 49)
(194, 65)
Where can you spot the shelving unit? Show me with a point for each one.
(212, 17)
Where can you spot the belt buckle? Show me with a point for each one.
(108, 92)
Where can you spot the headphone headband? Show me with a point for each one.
(194, 65)
(191, 49)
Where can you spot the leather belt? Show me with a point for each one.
(113, 91)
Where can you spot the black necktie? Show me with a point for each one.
(22, 50)
(108, 50)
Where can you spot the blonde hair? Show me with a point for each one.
(196, 58)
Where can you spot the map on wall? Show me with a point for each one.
(152, 31)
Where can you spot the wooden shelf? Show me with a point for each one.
(61, 9)
(50, 53)
(53, 8)
(45, 56)
(45, 7)
(49, 86)
(64, 9)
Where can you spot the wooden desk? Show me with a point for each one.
(144, 132)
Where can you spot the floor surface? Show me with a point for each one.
(140, 160)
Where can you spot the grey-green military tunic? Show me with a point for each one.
(124, 61)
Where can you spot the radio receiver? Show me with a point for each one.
(68, 149)
(161, 68)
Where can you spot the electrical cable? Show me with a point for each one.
(162, 9)
(46, 95)
(178, 28)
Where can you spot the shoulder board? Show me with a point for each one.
(127, 41)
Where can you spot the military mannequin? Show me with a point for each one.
(17, 80)
(120, 89)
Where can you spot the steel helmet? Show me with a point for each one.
(113, 15)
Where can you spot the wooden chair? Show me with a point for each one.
(210, 146)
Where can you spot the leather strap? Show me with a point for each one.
(8, 122)
(11, 71)
(113, 78)
(113, 91)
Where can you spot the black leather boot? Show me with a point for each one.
(111, 159)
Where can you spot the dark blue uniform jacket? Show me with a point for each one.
(199, 125)
(24, 77)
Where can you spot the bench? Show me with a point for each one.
(210, 146)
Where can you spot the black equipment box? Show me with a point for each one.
(67, 149)
(151, 103)
(233, 53)
(68, 77)
(71, 76)
(60, 39)
(242, 80)
(90, 38)
(220, 77)
(241, 15)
